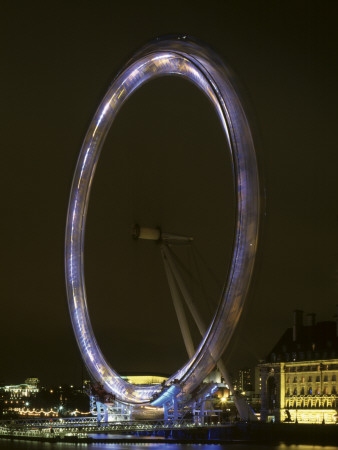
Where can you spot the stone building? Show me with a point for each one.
(299, 376)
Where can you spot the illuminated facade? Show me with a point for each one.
(144, 379)
(28, 400)
(15, 398)
(20, 391)
(299, 378)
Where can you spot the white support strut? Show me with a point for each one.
(186, 295)
(180, 313)
(243, 408)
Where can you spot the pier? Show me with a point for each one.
(87, 430)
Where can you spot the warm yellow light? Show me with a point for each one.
(223, 399)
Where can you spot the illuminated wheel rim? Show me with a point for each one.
(203, 68)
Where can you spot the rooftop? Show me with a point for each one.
(314, 341)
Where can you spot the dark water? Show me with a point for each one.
(23, 445)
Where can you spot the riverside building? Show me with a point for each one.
(299, 376)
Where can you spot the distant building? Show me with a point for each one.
(258, 382)
(299, 376)
(245, 380)
(27, 400)
(21, 391)
(16, 397)
(33, 381)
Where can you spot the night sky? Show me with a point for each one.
(164, 164)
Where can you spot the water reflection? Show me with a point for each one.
(23, 445)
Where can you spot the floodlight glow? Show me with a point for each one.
(199, 65)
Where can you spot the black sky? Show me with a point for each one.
(163, 164)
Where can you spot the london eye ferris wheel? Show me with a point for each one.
(199, 65)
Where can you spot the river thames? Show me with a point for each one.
(30, 445)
